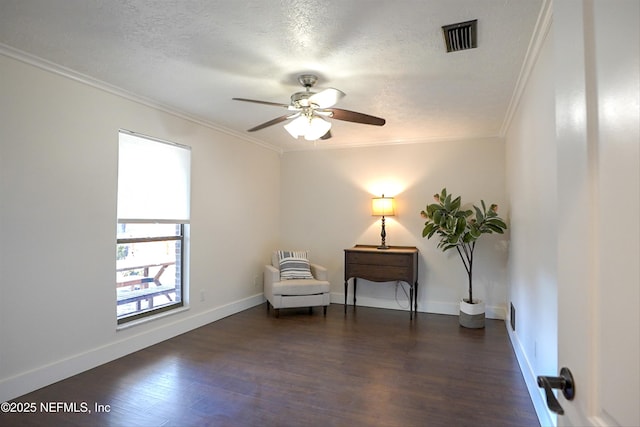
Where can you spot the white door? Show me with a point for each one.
(598, 137)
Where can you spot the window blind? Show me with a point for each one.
(154, 180)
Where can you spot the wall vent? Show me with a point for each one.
(512, 318)
(461, 36)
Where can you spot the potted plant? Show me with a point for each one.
(460, 229)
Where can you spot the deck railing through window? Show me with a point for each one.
(148, 276)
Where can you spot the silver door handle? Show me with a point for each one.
(564, 382)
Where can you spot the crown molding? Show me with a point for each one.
(388, 143)
(543, 25)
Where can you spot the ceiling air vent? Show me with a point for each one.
(461, 36)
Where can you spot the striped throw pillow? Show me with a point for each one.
(294, 265)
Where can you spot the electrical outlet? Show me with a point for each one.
(202, 296)
(256, 281)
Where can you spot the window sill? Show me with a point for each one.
(148, 319)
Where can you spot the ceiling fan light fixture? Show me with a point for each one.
(310, 111)
(318, 127)
(297, 127)
(310, 128)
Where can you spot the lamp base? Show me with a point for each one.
(383, 235)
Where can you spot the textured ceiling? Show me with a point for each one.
(388, 57)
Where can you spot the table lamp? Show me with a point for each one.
(382, 206)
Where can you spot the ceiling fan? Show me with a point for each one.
(309, 111)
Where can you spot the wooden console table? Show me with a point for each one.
(398, 263)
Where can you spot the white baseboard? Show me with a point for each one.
(545, 417)
(26, 382)
(435, 307)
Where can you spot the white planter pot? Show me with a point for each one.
(472, 315)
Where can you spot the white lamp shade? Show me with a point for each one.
(317, 128)
(382, 206)
(310, 129)
(297, 127)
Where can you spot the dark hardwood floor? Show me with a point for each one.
(370, 367)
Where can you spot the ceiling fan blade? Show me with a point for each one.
(352, 116)
(270, 123)
(326, 98)
(275, 104)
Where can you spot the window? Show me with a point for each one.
(153, 220)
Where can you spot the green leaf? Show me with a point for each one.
(447, 202)
(446, 248)
(498, 222)
(455, 205)
(495, 228)
(437, 216)
(479, 215)
(451, 223)
(428, 229)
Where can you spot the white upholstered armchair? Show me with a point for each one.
(292, 281)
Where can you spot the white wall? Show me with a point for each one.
(326, 207)
(531, 170)
(58, 169)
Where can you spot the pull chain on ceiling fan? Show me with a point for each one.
(310, 111)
